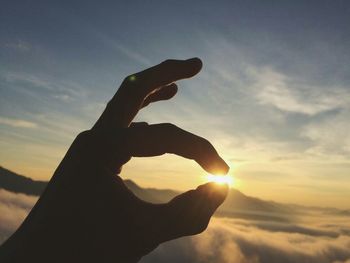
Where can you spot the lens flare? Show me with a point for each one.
(132, 78)
(221, 179)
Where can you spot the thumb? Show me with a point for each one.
(190, 212)
(214, 193)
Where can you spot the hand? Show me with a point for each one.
(88, 214)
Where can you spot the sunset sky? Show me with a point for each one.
(273, 95)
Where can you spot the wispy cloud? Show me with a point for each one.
(132, 54)
(63, 90)
(19, 45)
(330, 136)
(18, 123)
(25, 79)
(275, 89)
(123, 49)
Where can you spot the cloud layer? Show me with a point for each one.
(242, 241)
(13, 210)
(314, 237)
(17, 123)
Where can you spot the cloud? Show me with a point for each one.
(311, 238)
(276, 89)
(123, 49)
(64, 97)
(19, 45)
(290, 228)
(17, 123)
(243, 241)
(13, 209)
(330, 136)
(27, 79)
(14, 200)
(39, 85)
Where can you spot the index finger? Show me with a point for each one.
(128, 100)
(167, 72)
(158, 139)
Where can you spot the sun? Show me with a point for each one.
(221, 179)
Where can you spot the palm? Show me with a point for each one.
(116, 217)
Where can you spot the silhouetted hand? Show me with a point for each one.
(87, 214)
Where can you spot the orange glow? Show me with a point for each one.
(221, 179)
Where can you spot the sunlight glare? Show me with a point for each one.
(221, 179)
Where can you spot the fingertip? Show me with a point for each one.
(219, 167)
(167, 92)
(196, 64)
(216, 193)
(226, 167)
(196, 61)
(173, 88)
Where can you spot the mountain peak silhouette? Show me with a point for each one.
(20, 184)
(237, 203)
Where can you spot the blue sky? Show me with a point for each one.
(273, 96)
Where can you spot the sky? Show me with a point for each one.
(273, 95)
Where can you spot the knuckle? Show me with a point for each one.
(169, 127)
(125, 81)
(129, 78)
(83, 136)
(167, 62)
(131, 81)
(81, 142)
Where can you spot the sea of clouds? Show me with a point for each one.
(316, 236)
(242, 241)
